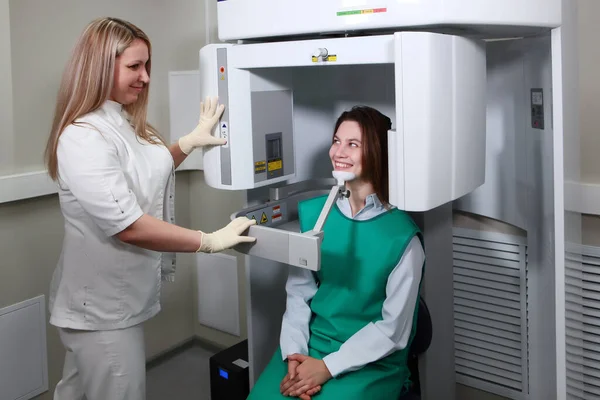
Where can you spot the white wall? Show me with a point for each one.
(43, 34)
(589, 86)
(210, 210)
(6, 108)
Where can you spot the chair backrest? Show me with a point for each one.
(418, 346)
(424, 331)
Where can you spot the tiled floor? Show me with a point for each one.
(183, 377)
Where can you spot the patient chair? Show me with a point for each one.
(419, 345)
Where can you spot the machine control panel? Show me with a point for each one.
(537, 108)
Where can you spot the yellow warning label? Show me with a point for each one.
(260, 166)
(264, 219)
(275, 165)
(251, 216)
(328, 58)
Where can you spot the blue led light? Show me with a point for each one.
(223, 373)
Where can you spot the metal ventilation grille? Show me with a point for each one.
(490, 312)
(582, 286)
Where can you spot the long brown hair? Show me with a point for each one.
(87, 82)
(374, 127)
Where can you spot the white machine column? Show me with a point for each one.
(436, 366)
(286, 73)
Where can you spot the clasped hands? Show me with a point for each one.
(306, 375)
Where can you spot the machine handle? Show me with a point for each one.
(282, 192)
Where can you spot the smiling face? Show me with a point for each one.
(360, 147)
(346, 150)
(130, 76)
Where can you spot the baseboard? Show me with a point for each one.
(208, 344)
(179, 348)
(26, 186)
(582, 198)
(29, 185)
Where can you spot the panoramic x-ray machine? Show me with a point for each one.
(438, 69)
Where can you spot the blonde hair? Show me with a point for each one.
(88, 78)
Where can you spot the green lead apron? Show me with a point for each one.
(357, 258)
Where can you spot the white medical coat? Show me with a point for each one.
(108, 178)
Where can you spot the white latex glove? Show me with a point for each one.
(227, 237)
(201, 135)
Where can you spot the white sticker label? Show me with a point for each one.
(241, 363)
(225, 132)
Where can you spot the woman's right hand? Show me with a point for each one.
(292, 375)
(292, 365)
(227, 237)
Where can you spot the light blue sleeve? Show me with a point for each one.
(378, 340)
(301, 288)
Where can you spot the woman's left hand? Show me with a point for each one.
(309, 374)
(201, 136)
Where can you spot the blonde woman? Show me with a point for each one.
(116, 186)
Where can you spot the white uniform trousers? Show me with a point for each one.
(103, 365)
